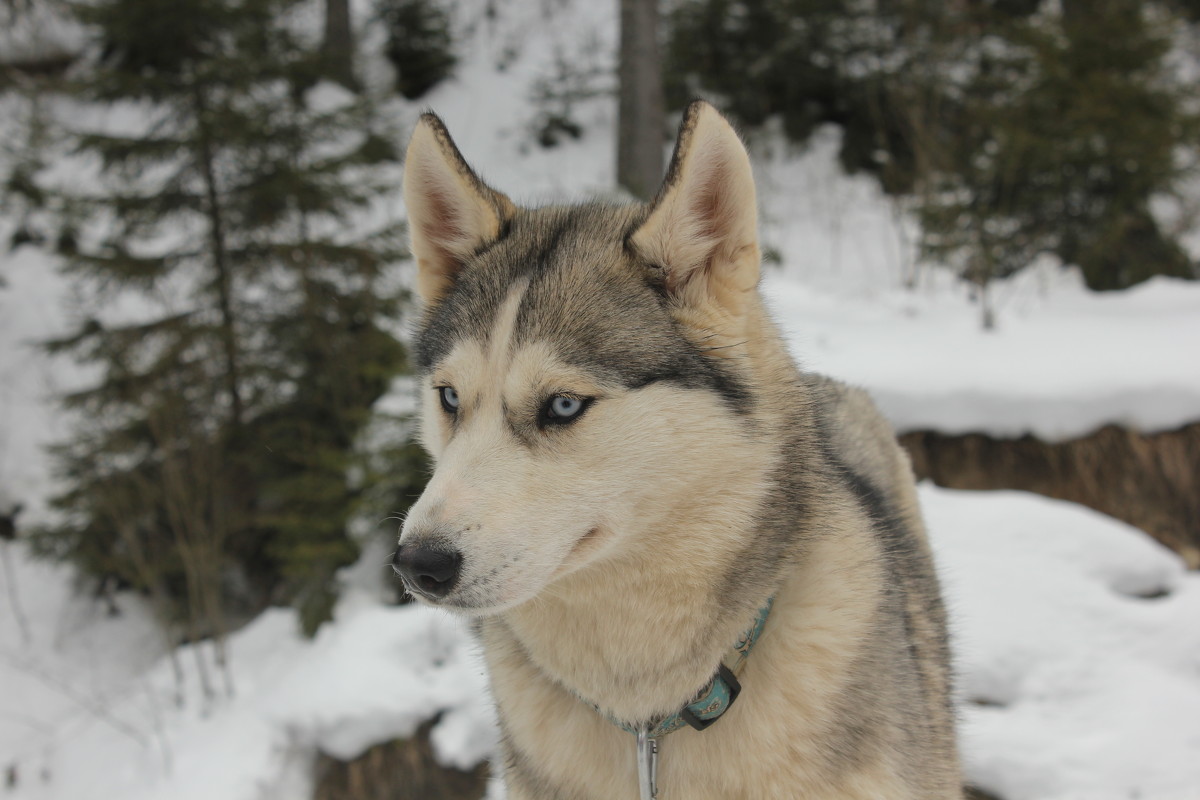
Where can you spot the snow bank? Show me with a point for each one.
(378, 674)
(66, 663)
(1063, 363)
(1078, 647)
(92, 708)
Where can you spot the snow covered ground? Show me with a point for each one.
(1077, 636)
(1065, 362)
(1078, 647)
(91, 708)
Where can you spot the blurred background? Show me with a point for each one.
(987, 212)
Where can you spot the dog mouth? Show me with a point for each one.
(584, 544)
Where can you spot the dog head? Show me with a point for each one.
(583, 376)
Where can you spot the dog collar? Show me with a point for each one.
(709, 704)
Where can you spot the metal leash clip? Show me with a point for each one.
(647, 763)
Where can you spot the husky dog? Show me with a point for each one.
(633, 477)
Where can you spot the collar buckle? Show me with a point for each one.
(733, 690)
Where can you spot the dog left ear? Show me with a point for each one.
(451, 212)
(702, 229)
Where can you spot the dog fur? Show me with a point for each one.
(617, 557)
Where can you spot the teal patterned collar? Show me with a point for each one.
(714, 699)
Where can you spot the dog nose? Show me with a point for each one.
(433, 572)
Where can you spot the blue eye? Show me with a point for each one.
(564, 408)
(449, 399)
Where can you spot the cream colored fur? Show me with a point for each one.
(450, 212)
(704, 229)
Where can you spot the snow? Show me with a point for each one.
(1077, 643)
(374, 674)
(31, 311)
(1076, 635)
(1065, 363)
(34, 32)
(327, 97)
(64, 661)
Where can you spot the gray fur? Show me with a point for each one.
(581, 278)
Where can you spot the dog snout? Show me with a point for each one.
(432, 571)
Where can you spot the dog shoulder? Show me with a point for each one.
(864, 457)
(862, 446)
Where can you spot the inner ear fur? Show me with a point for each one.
(702, 228)
(451, 212)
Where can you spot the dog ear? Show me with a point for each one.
(451, 212)
(702, 228)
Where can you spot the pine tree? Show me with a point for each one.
(1061, 133)
(1013, 127)
(419, 44)
(215, 467)
(866, 66)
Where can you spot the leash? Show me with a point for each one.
(707, 707)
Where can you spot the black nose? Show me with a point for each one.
(433, 572)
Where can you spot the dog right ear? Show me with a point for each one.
(451, 212)
(702, 229)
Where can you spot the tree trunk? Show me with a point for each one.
(640, 128)
(402, 769)
(1146, 479)
(220, 258)
(337, 48)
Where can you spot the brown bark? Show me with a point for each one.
(403, 769)
(337, 46)
(220, 257)
(1147, 480)
(640, 125)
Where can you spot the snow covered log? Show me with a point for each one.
(402, 769)
(1147, 480)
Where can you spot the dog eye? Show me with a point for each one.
(563, 408)
(449, 399)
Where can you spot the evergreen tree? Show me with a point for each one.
(419, 44)
(1061, 132)
(216, 466)
(1016, 127)
(337, 44)
(867, 67)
